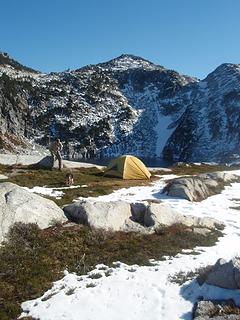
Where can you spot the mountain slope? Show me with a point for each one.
(209, 129)
(146, 86)
(125, 105)
(115, 105)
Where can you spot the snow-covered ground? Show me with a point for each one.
(133, 292)
(53, 192)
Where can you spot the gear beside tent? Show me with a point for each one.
(128, 168)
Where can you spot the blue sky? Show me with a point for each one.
(190, 36)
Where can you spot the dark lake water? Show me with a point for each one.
(149, 162)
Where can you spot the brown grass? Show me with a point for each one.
(192, 169)
(32, 259)
(97, 183)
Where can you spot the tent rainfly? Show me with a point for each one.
(127, 167)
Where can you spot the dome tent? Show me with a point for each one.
(127, 167)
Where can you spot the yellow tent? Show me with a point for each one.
(127, 167)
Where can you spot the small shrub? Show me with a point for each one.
(103, 268)
(182, 277)
(108, 272)
(91, 285)
(95, 276)
(199, 274)
(49, 296)
(70, 291)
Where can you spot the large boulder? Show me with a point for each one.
(20, 205)
(144, 217)
(46, 163)
(157, 214)
(111, 215)
(19, 159)
(160, 214)
(198, 188)
(225, 274)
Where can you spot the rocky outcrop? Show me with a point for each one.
(19, 205)
(198, 188)
(137, 217)
(111, 215)
(216, 310)
(46, 163)
(157, 215)
(225, 274)
(13, 113)
(40, 161)
(16, 159)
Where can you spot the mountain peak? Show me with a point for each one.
(224, 76)
(128, 56)
(226, 68)
(129, 61)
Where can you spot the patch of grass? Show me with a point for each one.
(193, 169)
(31, 258)
(182, 277)
(91, 285)
(70, 291)
(200, 274)
(235, 208)
(5, 169)
(49, 296)
(97, 183)
(95, 275)
(108, 272)
(237, 204)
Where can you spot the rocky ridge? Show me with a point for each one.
(126, 105)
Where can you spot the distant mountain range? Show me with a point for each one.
(127, 105)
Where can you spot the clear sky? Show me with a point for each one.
(190, 36)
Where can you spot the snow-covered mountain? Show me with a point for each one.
(126, 105)
(209, 129)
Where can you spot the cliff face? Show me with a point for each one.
(13, 113)
(126, 105)
(148, 89)
(209, 129)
